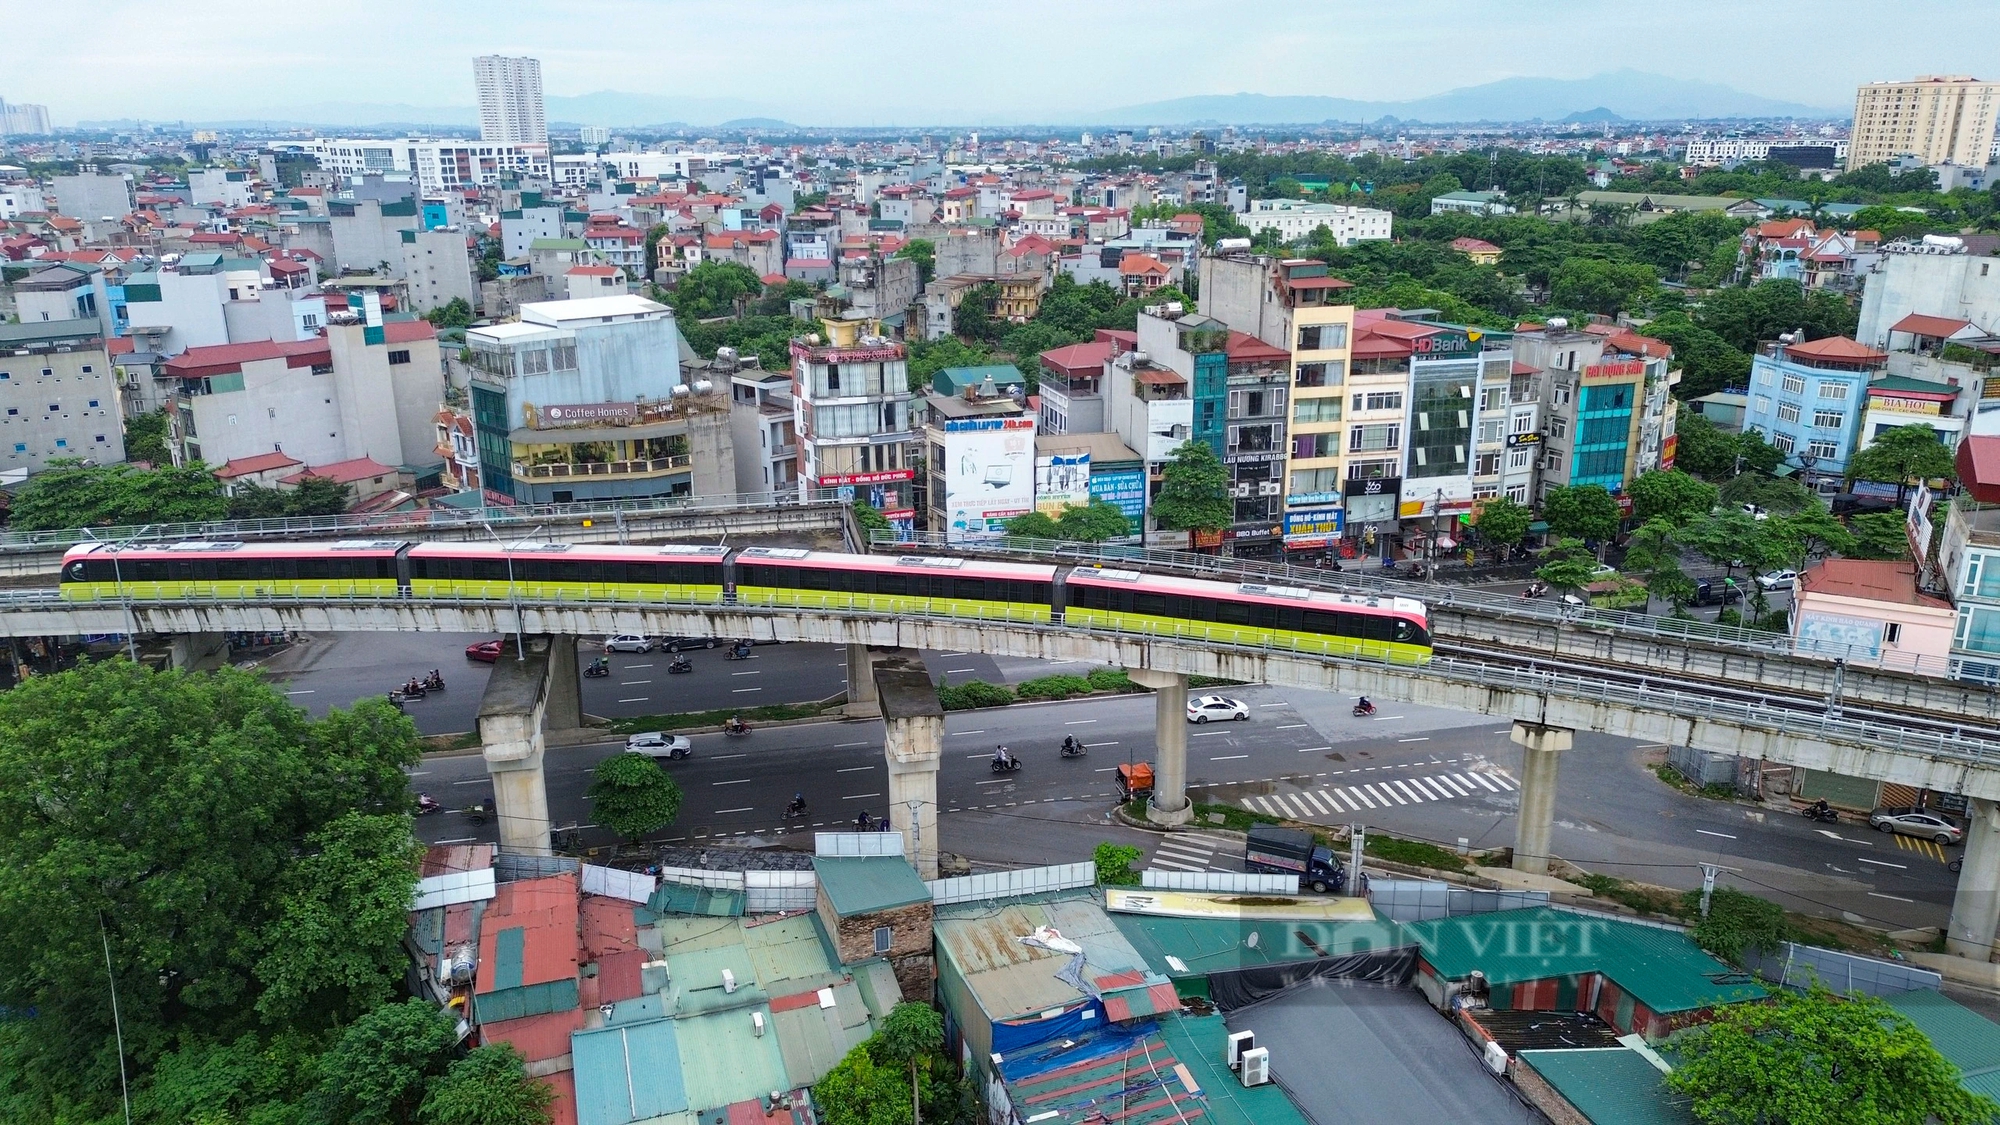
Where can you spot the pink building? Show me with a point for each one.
(1871, 612)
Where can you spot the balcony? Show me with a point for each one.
(567, 471)
(788, 450)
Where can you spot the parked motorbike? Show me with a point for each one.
(680, 664)
(427, 804)
(1820, 814)
(597, 669)
(1071, 748)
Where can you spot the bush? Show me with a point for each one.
(1114, 864)
(974, 693)
(1212, 681)
(1054, 687)
(1415, 853)
(1112, 679)
(1736, 922)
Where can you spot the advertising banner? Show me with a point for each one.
(1124, 490)
(1062, 480)
(1315, 527)
(888, 492)
(989, 478)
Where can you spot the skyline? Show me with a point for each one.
(794, 61)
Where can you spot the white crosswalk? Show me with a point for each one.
(1336, 801)
(1193, 851)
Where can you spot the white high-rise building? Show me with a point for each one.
(510, 100)
(20, 119)
(1938, 118)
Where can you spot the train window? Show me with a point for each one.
(1406, 632)
(970, 589)
(1377, 628)
(814, 579)
(1229, 613)
(1152, 605)
(1320, 621)
(1264, 616)
(896, 584)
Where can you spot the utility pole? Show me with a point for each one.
(1708, 873)
(1356, 840)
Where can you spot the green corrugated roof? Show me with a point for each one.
(1611, 1086)
(724, 1060)
(954, 380)
(1968, 1039)
(1195, 1042)
(865, 884)
(686, 898)
(557, 244)
(1221, 945)
(507, 957)
(1911, 386)
(1661, 968)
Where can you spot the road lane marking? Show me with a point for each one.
(850, 745)
(1320, 803)
(954, 732)
(954, 654)
(459, 840)
(1096, 744)
(1357, 791)
(633, 683)
(741, 690)
(1227, 757)
(306, 691)
(995, 781)
(724, 812)
(1503, 779)
(1420, 738)
(956, 671)
(1291, 726)
(1278, 704)
(1158, 862)
(1884, 863)
(1078, 722)
(1445, 782)
(1892, 898)
(1476, 776)
(1428, 787)
(738, 781)
(1383, 793)
(633, 667)
(641, 699)
(1104, 769)
(1417, 796)
(854, 769)
(1207, 733)
(1706, 832)
(1352, 805)
(759, 672)
(1310, 749)
(420, 773)
(724, 757)
(475, 781)
(1386, 718)
(859, 796)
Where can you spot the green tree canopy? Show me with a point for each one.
(70, 494)
(1604, 287)
(343, 908)
(1654, 557)
(1582, 511)
(382, 1066)
(712, 288)
(454, 313)
(1194, 491)
(1708, 362)
(923, 252)
(1746, 317)
(146, 439)
(1504, 523)
(1901, 455)
(489, 1086)
(973, 319)
(1033, 525)
(1814, 1057)
(1569, 567)
(631, 795)
(1880, 535)
(874, 1083)
(928, 357)
(1673, 494)
(1094, 522)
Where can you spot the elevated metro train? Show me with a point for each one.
(1102, 598)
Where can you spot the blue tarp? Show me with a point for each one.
(1072, 1022)
(1100, 1041)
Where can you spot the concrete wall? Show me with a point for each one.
(29, 430)
(1951, 285)
(191, 305)
(439, 269)
(364, 240)
(365, 393)
(91, 197)
(278, 407)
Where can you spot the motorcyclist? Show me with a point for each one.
(1002, 758)
(864, 822)
(1820, 808)
(798, 805)
(1364, 706)
(735, 725)
(1069, 745)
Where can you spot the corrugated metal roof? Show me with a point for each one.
(628, 1073)
(785, 952)
(1611, 1085)
(868, 884)
(528, 935)
(723, 1060)
(1220, 945)
(706, 902)
(538, 1038)
(1968, 1039)
(1162, 1072)
(1008, 978)
(813, 1039)
(1662, 968)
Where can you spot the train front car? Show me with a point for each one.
(1290, 618)
(923, 584)
(358, 568)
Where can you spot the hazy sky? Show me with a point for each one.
(865, 61)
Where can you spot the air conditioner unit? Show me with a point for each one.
(1268, 488)
(757, 1023)
(1241, 490)
(1239, 1042)
(728, 981)
(1256, 1070)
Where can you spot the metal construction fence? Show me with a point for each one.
(1236, 882)
(1799, 966)
(1008, 884)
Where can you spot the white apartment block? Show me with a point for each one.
(510, 100)
(439, 166)
(1720, 150)
(1938, 118)
(1295, 220)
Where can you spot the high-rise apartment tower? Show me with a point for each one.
(510, 100)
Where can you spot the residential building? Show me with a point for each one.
(368, 233)
(1295, 220)
(1478, 250)
(58, 395)
(63, 291)
(596, 281)
(361, 391)
(981, 462)
(20, 119)
(93, 198)
(533, 219)
(1938, 118)
(510, 100)
(1016, 299)
(1966, 561)
(1868, 611)
(586, 400)
(855, 415)
(1471, 203)
(173, 309)
(1071, 386)
(1896, 400)
(1725, 150)
(763, 423)
(1605, 407)
(438, 266)
(1148, 405)
(1953, 277)
(1806, 398)
(438, 165)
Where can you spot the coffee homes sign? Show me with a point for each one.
(580, 414)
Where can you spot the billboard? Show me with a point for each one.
(888, 492)
(989, 477)
(1314, 527)
(1125, 491)
(1062, 480)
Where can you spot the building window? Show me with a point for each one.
(1783, 443)
(1829, 419)
(1835, 391)
(1892, 632)
(1374, 439)
(884, 937)
(1379, 400)
(1518, 493)
(1559, 427)
(1493, 398)
(1488, 465)
(1519, 459)
(62, 443)
(1316, 410)
(86, 369)
(1763, 405)
(93, 402)
(1328, 374)
(399, 356)
(20, 447)
(54, 406)
(1824, 450)
(1788, 412)
(100, 439)
(1794, 384)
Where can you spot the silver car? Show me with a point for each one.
(655, 744)
(628, 642)
(1917, 822)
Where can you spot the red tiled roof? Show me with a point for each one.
(1318, 283)
(119, 345)
(538, 1038)
(1628, 341)
(593, 271)
(1470, 245)
(1244, 346)
(407, 331)
(262, 462)
(1158, 377)
(1524, 368)
(1141, 265)
(1872, 580)
(1923, 325)
(1835, 347)
(546, 909)
(774, 279)
(223, 359)
(1079, 357)
(367, 468)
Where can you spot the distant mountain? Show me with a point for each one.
(606, 107)
(614, 108)
(1625, 94)
(1590, 115)
(755, 123)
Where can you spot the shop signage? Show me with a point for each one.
(580, 414)
(1202, 539)
(969, 425)
(1381, 486)
(1903, 405)
(1623, 370)
(1669, 450)
(1515, 440)
(1441, 345)
(1315, 528)
(1313, 498)
(868, 478)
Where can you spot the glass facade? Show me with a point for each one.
(496, 452)
(1603, 435)
(1441, 409)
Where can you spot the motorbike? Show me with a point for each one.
(680, 664)
(1009, 765)
(1820, 815)
(406, 693)
(1363, 710)
(796, 810)
(434, 681)
(427, 804)
(740, 652)
(478, 813)
(1071, 748)
(1535, 591)
(736, 730)
(597, 669)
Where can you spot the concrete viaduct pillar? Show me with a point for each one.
(1170, 803)
(1975, 908)
(523, 698)
(913, 725)
(197, 652)
(1540, 747)
(863, 701)
(565, 691)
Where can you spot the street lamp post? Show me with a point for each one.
(513, 590)
(124, 596)
(1437, 515)
(1807, 462)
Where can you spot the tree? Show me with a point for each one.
(1603, 287)
(632, 795)
(452, 314)
(655, 234)
(928, 357)
(869, 518)
(1582, 511)
(1814, 1057)
(712, 288)
(178, 818)
(379, 1070)
(71, 494)
(1880, 535)
(1735, 923)
(250, 502)
(1731, 538)
(873, 1084)
(1672, 494)
(318, 496)
(1813, 532)
(1708, 362)
(1571, 566)
(1194, 491)
(1654, 557)
(1901, 455)
(1504, 523)
(489, 1086)
(1033, 525)
(1782, 495)
(146, 439)
(1746, 317)
(923, 252)
(1094, 522)
(1115, 864)
(973, 318)
(337, 947)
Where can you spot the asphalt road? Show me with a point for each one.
(1416, 771)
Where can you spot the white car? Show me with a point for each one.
(628, 642)
(655, 744)
(1203, 708)
(1777, 579)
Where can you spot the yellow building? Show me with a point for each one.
(1938, 118)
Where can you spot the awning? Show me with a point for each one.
(1538, 526)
